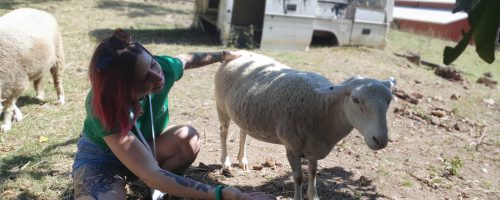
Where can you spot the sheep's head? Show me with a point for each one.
(365, 103)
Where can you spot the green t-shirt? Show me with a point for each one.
(172, 69)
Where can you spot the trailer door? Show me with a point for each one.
(288, 24)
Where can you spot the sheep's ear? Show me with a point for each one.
(389, 83)
(331, 90)
(325, 90)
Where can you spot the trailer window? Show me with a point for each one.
(366, 31)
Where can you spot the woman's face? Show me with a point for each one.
(148, 75)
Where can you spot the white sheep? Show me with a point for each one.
(30, 45)
(301, 110)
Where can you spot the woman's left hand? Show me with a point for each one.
(232, 193)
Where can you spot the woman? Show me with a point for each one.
(129, 91)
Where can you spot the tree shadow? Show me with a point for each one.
(13, 4)
(332, 183)
(14, 167)
(184, 36)
(140, 9)
(67, 194)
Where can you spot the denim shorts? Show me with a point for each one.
(96, 169)
(89, 153)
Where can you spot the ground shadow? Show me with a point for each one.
(140, 191)
(332, 183)
(140, 9)
(185, 36)
(28, 100)
(67, 194)
(25, 100)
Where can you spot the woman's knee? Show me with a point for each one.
(178, 147)
(185, 131)
(189, 139)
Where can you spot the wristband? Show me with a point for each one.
(218, 192)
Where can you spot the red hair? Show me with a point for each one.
(111, 73)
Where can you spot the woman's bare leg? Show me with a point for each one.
(177, 148)
(96, 182)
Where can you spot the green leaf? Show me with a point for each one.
(451, 54)
(486, 30)
(484, 19)
(464, 5)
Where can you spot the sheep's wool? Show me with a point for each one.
(30, 45)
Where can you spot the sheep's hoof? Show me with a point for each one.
(314, 198)
(227, 172)
(40, 97)
(5, 127)
(244, 165)
(17, 117)
(226, 164)
(60, 101)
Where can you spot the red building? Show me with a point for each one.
(430, 17)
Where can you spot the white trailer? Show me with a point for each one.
(294, 24)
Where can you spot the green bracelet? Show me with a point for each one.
(218, 192)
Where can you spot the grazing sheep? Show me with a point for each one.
(301, 110)
(30, 45)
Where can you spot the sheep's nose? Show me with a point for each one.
(376, 141)
(379, 142)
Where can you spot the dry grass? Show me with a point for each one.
(30, 169)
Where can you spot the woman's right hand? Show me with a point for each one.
(232, 193)
(231, 55)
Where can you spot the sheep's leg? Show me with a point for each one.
(8, 111)
(294, 161)
(224, 126)
(312, 194)
(38, 85)
(242, 155)
(1, 102)
(56, 72)
(18, 116)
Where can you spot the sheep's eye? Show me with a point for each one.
(355, 99)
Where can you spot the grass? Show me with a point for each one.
(30, 169)
(407, 182)
(432, 50)
(454, 165)
(382, 172)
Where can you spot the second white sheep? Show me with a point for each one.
(30, 46)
